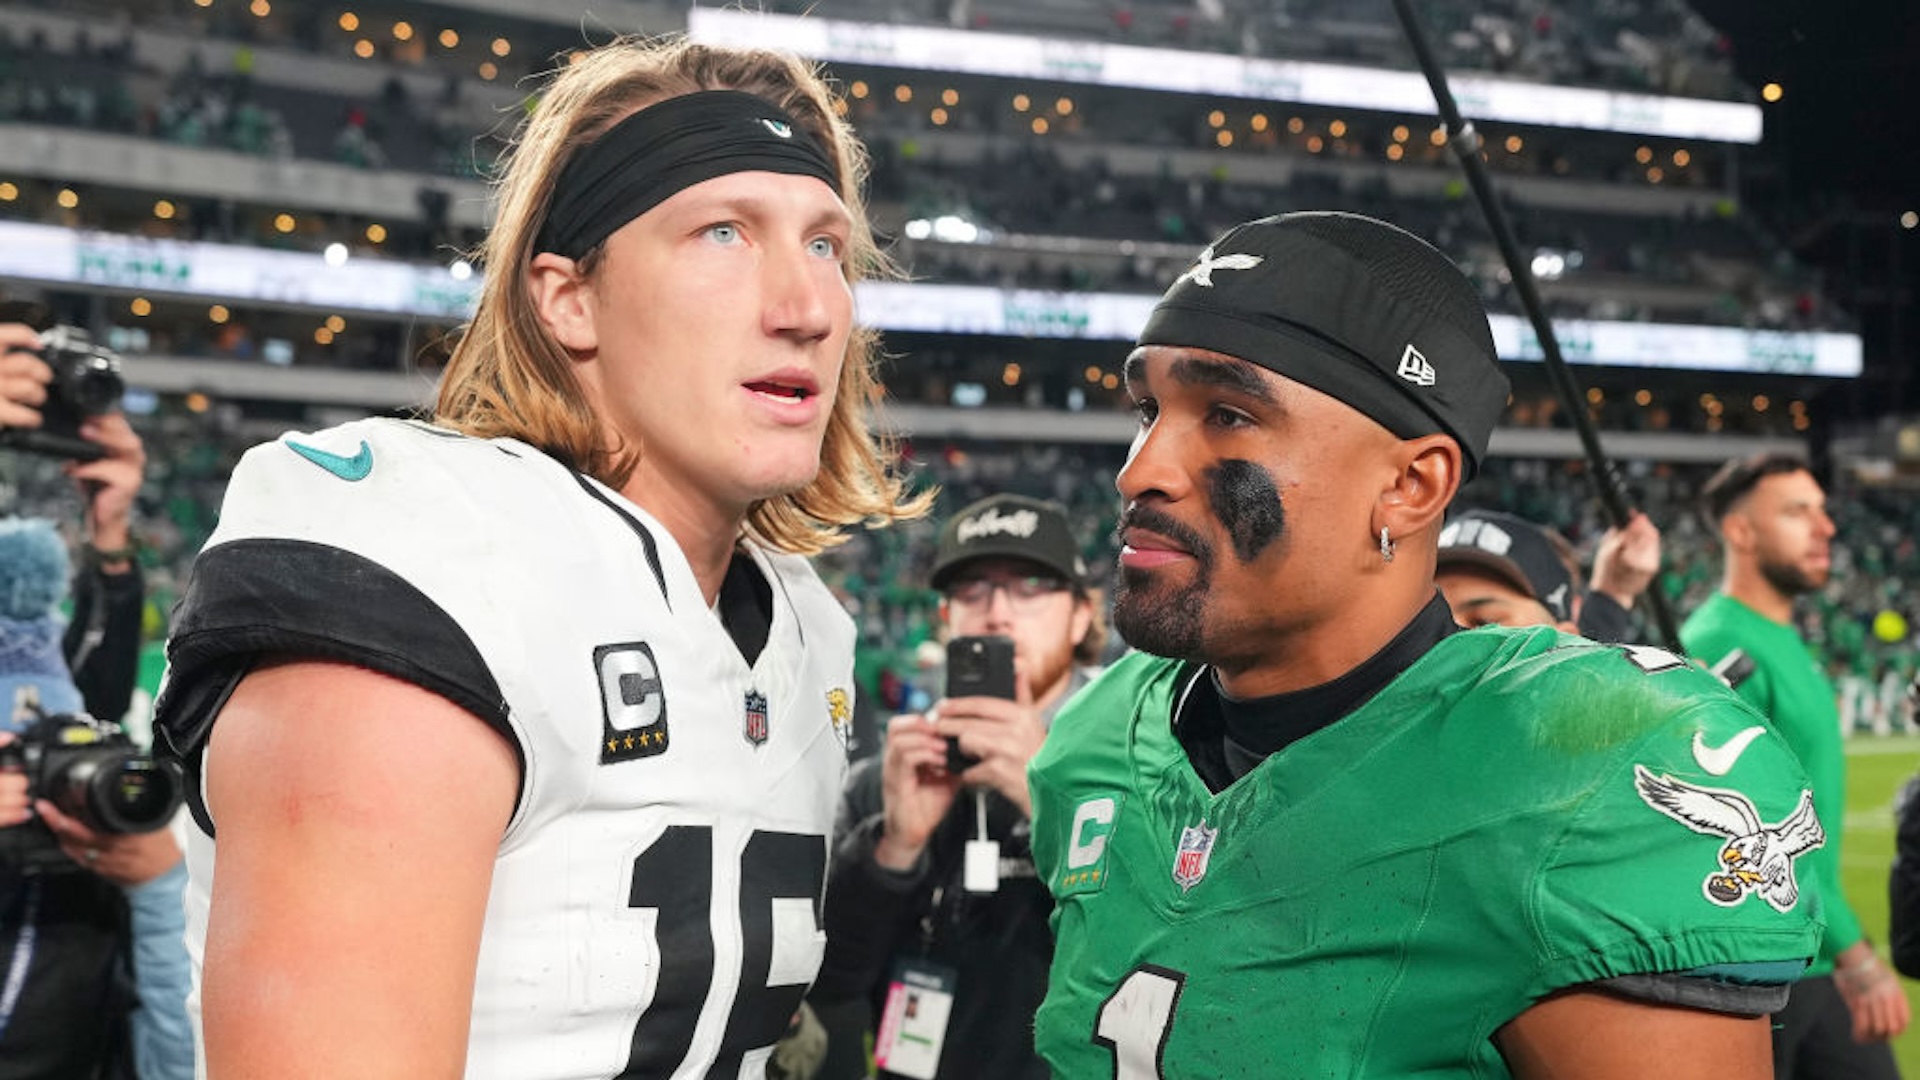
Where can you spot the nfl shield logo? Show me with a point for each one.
(756, 730)
(1196, 847)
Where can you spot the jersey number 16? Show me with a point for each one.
(675, 877)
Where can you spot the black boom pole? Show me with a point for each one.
(1466, 145)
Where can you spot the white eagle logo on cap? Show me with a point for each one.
(1201, 273)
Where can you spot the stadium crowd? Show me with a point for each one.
(1679, 252)
(876, 573)
(1712, 262)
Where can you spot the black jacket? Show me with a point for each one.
(998, 943)
(1903, 882)
(70, 930)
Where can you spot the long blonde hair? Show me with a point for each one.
(508, 376)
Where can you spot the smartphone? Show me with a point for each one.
(977, 666)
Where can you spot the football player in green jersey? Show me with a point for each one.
(1313, 828)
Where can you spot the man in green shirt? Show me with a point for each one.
(1313, 828)
(1777, 539)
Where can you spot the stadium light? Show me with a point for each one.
(1335, 85)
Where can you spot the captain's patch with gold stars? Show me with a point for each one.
(633, 703)
(1094, 822)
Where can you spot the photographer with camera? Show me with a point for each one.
(933, 914)
(91, 919)
(107, 460)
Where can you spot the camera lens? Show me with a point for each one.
(116, 792)
(93, 384)
(141, 794)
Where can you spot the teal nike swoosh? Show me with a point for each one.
(357, 467)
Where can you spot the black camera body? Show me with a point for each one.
(93, 773)
(86, 383)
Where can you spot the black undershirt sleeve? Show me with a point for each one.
(250, 599)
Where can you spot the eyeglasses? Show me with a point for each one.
(1021, 592)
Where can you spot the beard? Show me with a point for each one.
(1790, 579)
(1157, 617)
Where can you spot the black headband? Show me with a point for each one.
(666, 148)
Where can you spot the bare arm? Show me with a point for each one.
(1588, 1035)
(358, 818)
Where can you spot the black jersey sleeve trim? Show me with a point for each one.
(1700, 992)
(646, 538)
(253, 598)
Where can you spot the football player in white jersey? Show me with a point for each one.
(516, 737)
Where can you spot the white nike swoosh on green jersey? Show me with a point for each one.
(1719, 760)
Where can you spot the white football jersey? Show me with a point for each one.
(655, 904)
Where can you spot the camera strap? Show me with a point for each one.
(94, 629)
(23, 946)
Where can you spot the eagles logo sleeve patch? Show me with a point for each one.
(633, 703)
(1757, 858)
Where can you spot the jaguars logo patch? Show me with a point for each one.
(840, 714)
(1757, 858)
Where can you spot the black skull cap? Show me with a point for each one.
(1353, 307)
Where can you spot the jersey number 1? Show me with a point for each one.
(675, 877)
(1136, 1019)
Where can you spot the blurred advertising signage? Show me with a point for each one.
(1695, 348)
(972, 309)
(228, 273)
(50, 253)
(1481, 97)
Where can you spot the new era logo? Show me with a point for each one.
(1414, 367)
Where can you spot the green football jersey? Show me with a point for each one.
(1517, 813)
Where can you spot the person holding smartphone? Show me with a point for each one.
(932, 899)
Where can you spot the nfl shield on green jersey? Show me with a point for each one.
(1517, 813)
